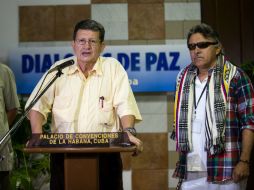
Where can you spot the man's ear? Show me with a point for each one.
(103, 45)
(218, 50)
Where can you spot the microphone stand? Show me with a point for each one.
(20, 120)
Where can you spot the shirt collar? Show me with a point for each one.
(97, 68)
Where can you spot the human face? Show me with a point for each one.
(203, 57)
(87, 47)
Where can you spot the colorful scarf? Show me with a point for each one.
(217, 90)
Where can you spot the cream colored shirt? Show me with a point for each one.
(92, 104)
(8, 101)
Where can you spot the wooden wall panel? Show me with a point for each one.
(50, 23)
(229, 28)
(155, 154)
(145, 1)
(146, 21)
(209, 12)
(126, 159)
(67, 17)
(150, 179)
(108, 1)
(36, 23)
(234, 21)
(224, 17)
(247, 30)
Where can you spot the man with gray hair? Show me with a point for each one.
(214, 117)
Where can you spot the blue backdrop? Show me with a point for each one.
(150, 68)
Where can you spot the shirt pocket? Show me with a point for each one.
(106, 114)
(62, 111)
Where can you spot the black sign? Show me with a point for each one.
(79, 140)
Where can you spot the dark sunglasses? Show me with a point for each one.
(201, 45)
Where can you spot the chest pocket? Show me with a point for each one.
(62, 110)
(106, 114)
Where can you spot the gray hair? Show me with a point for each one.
(206, 31)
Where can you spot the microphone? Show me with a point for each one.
(62, 66)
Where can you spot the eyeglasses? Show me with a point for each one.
(91, 42)
(201, 45)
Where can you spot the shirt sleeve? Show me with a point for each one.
(124, 100)
(44, 104)
(10, 91)
(245, 105)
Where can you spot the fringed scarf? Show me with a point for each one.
(216, 103)
(217, 90)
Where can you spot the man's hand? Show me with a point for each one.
(241, 171)
(127, 123)
(137, 142)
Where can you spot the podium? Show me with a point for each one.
(81, 164)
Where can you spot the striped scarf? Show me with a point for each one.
(217, 89)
